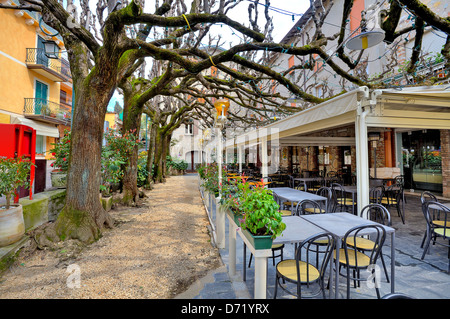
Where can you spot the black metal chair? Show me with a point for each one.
(427, 196)
(328, 193)
(376, 194)
(392, 198)
(437, 230)
(301, 186)
(377, 213)
(307, 207)
(352, 259)
(343, 202)
(308, 268)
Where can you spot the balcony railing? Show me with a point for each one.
(47, 111)
(56, 69)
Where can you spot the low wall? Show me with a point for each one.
(42, 208)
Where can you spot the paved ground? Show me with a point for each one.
(422, 279)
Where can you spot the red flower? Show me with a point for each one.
(64, 159)
(51, 164)
(53, 153)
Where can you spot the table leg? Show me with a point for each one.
(392, 263)
(260, 277)
(336, 279)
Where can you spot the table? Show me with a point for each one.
(338, 224)
(439, 207)
(294, 195)
(297, 230)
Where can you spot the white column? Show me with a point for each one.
(240, 157)
(362, 155)
(264, 159)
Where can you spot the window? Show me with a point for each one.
(189, 129)
(40, 144)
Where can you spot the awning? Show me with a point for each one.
(41, 128)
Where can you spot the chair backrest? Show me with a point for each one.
(304, 204)
(427, 196)
(377, 235)
(328, 193)
(444, 215)
(291, 181)
(400, 180)
(301, 185)
(308, 252)
(377, 213)
(376, 194)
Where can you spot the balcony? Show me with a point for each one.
(57, 70)
(47, 111)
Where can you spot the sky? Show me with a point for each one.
(284, 12)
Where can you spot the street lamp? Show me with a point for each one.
(221, 106)
(373, 138)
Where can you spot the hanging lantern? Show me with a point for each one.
(51, 49)
(365, 40)
(221, 108)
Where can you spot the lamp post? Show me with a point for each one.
(374, 137)
(221, 107)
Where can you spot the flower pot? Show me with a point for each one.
(12, 225)
(259, 242)
(59, 179)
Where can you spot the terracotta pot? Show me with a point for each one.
(12, 225)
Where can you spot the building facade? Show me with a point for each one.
(35, 90)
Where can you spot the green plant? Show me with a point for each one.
(142, 172)
(13, 174)
(115, 154)
(60, 152)
(178, 164)
(261, 214)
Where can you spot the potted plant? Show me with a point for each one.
(60, 153)
(13, 174)
(262, 221)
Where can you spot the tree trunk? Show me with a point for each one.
(83, 216)
(151, 155)
(131, 121)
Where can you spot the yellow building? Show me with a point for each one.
(35, 90)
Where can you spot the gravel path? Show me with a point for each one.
(155, 251)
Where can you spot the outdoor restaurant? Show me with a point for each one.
(339, 158)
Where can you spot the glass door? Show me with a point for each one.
(422, 165)
(40, 95)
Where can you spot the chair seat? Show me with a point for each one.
(314, 210)
(308, 273)
(442, 231)
(390, 202)
(361, 243)
(285, 212)
(363, 260)
(277, 246)
(441, 223)
(345, 201)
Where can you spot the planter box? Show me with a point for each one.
(258, 242)
(59, 179)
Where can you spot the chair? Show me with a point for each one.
(392, 197)
(302, 186)
(425, 197)
(267, 179)
(377, 213)
(397, 295)
(376, 194)
(306, 269)
(328, 193)
(352, 259)
(343, 202)
(307, 206)
(435, 230)
(315, 184)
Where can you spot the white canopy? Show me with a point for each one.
(41, 128)
(412, 108)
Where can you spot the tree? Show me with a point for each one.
(103, 59)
